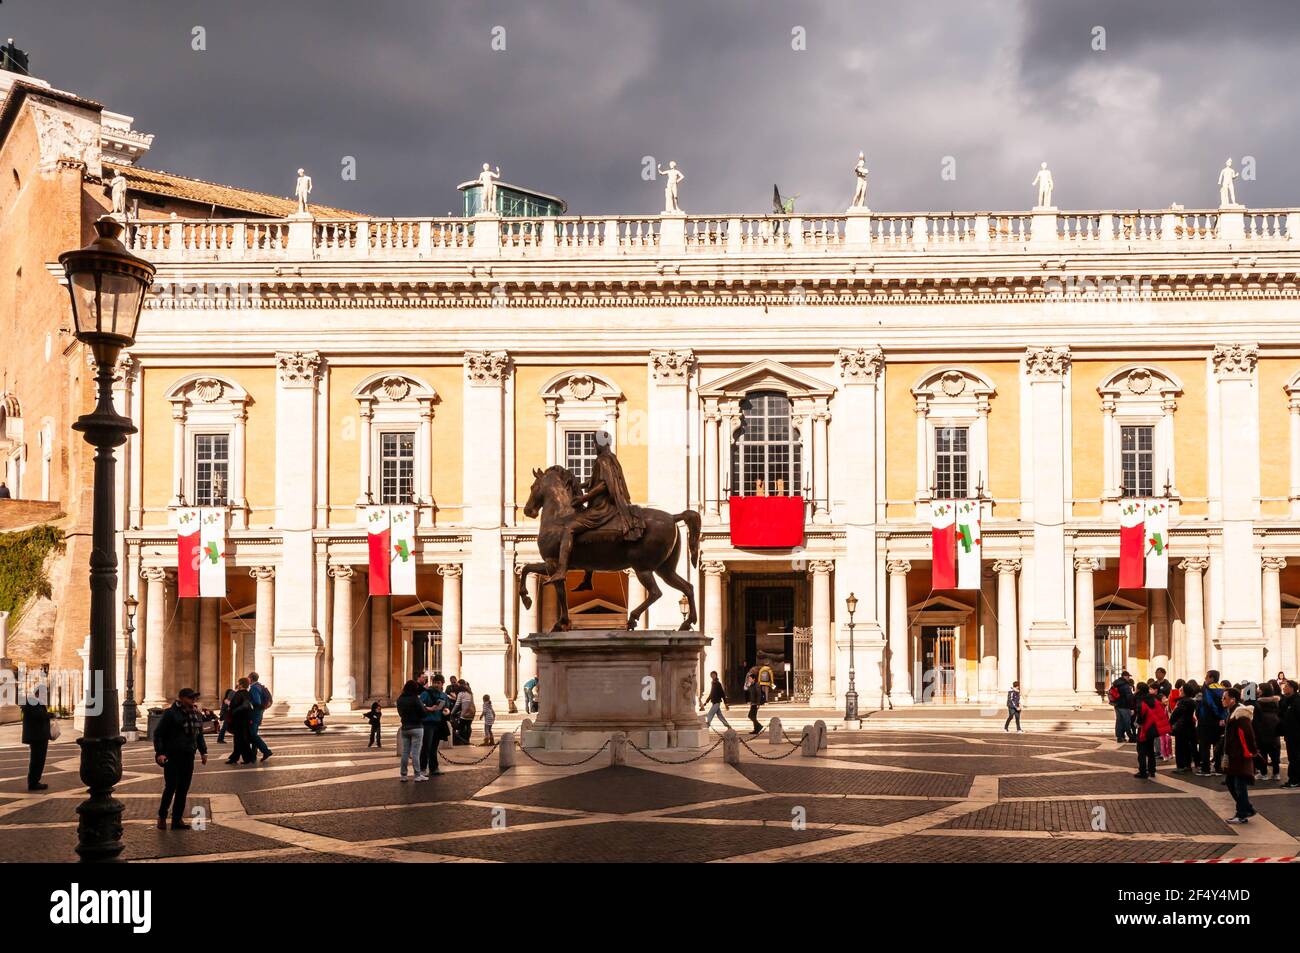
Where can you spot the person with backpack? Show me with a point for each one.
(1209, 726)
(462, 715)
(1183, 725)
(261, 698)
(1153, 724)
(241, 718)
(1267, 723)
(1120, 696)
(1240, 747)
(1013, 707)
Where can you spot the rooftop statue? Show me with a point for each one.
(302, 190)
(674, 176)
(117, 189)
(487, 179)
(860, 190)
(1045, 185)
(1227, 186)
(593, 525)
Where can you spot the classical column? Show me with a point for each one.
(1159, 642)
(1008, 634)
(1085, 627)
(822, 648)
(671, 453)
(821, 463)
(381, 638)
(264, 636)
(1049, 645)
(479, 646)
(712, 571)
(155, 629)
(712, 419)
(343, 693)
(1193, 568)
(900, 687)
(297, 648)
(451, 618)
(209, 650)
(1271, 592)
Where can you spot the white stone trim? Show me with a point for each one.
(951, 396)
(1139, 395)
(206, 403)
(395, 401)
(578, 399)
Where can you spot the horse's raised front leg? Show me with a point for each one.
(524, 572)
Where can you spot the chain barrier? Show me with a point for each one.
(647, 754)
(786, 735)
(490, 752)
(563, 764)
(764, 757)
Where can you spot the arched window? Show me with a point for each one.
(767, 452)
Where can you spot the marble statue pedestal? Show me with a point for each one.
(9, 710)
(595, 683)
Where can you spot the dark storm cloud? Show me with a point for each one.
(585, 90)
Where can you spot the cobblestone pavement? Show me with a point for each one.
(896, 796)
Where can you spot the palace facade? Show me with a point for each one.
(830, 376)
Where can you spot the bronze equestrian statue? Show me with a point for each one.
(594, 526)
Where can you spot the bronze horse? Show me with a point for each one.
(655, 553)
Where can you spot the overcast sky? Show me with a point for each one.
(584, 89)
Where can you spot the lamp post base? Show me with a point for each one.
(851, 705)
(99, 833)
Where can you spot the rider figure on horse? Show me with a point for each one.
(605, 501)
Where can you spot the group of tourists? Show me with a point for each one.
(1213, 727)
(241, 715)
(432, 709)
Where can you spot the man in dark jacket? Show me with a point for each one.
(1121, 696)
(717, 698)
(1183, 724)
(1209, 725)
(1240, 748)
(753, 695)
(434, 701)
(1267, 723)
(36, 735)
(1289, 727)
(241, 724)
(177, 736)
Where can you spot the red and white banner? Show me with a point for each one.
(969, 547)
(379, 538)
(943, 545)
(1156, 547)
(1132, 543)
(200, 552)
(401, 546)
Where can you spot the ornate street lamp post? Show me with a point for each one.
(129, 712)
(851, 696)
(107, 285)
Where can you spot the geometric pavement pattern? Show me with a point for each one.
(892, 796)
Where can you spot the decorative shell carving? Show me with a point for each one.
(209, 389)
(581, 386)
(1139, 381)
(396, 388)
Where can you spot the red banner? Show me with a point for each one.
(943, 565)
(1132, 556)
(187, 565)
(767, 522)
(379, 562)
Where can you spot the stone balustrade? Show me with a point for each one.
(491, 237)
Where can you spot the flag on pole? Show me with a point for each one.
(379, 536)
(401, 577)
(969, 546)
(187, 553)
(212, 554)
(1132, 540)
(1156, 536)
(943, 571)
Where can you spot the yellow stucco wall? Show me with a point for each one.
(1089, 448)
(157, 434)
(447, 438)
(631, 441)
(1004, 435)
(1275, 434)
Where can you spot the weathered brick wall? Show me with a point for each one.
(16, 514)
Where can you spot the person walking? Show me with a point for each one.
(1153, 724)
(1209, 726)
(176, 738)
(224, 716)
(1120, 696)
(1240, 747)
(260, 696)
(1183, 725)
(374, 716)
(1289, 726)
(241, 719)
(1267, 723)
(1013, 707)
(489, 717)
(37, 723)
(436, 706)
(717, 698)
(753, 695)
(410, 736)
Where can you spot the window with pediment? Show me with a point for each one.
(952, 410)
(209, 413)
(396, 412)
(1138, 404)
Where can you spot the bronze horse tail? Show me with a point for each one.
(692, 521)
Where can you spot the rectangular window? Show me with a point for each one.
(580, 452)
(951, 462)
(396, 467)
(211, 468)
(1137, 460)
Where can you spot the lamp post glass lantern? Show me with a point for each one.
(107, 285)
(851, 696)
(129, 711)
(685, 605)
